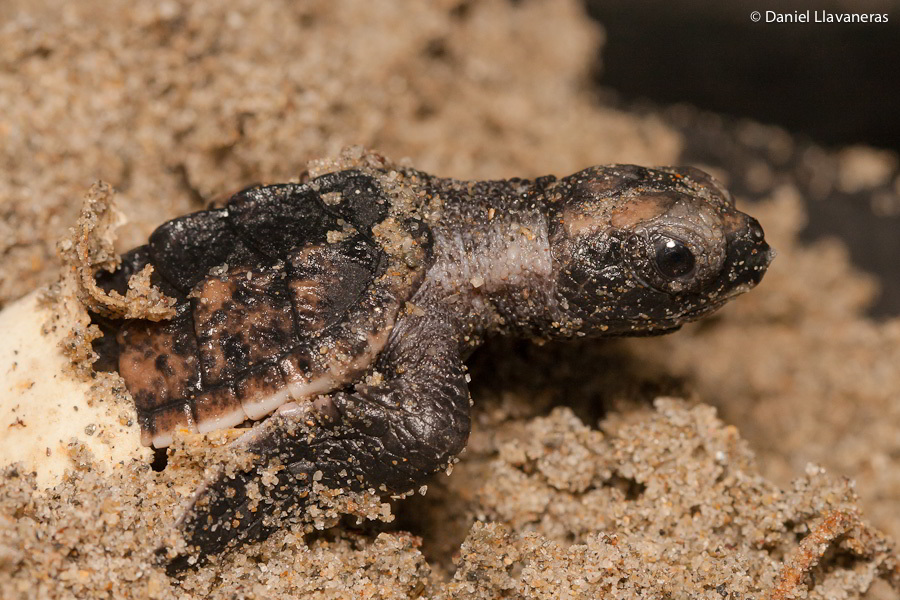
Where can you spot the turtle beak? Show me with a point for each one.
(761, 254)
(748, 253)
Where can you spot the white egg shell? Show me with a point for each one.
(44, 406)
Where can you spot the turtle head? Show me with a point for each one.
(642, 251)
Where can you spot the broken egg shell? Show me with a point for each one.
(46, 408)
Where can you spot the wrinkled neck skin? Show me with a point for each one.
(493, 269)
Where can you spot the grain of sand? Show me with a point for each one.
(584, 477)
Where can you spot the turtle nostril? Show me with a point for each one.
(756, 230)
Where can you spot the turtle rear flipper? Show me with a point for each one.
(388, 438)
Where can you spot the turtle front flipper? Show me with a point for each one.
(387, 437)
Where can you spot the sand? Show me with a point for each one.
(753, 455)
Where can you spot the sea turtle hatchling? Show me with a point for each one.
(340, 310)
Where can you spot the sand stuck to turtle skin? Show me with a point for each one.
(661, 500)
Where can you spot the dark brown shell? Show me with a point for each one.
(280, 297)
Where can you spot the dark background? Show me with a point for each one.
(829, 84)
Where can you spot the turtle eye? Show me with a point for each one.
(673, 258)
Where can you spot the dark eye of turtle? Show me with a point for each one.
(673, 258)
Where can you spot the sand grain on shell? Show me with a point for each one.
(178, 103)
